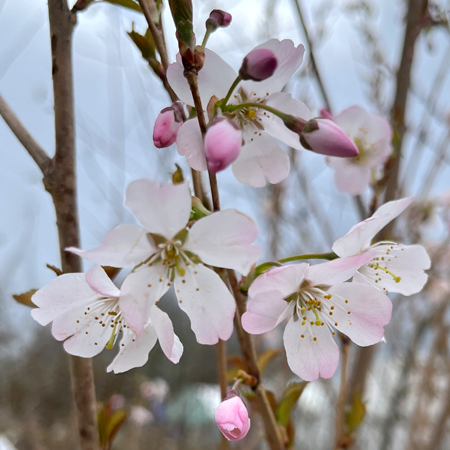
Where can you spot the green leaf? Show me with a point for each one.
(267, 356)
(130, 4)
(289, 401)
(109, 423)
(25, 298)
(356, 415)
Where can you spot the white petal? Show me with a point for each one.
(336, 271)
(351, 178)
(260, 159)
(307, 358)
(265, 311)
(286, 279)
(359, 278)
(274, 125)
(123, 246)
(190, 145)
(203, 296)
(289, 60)
(224, 239)
(361, 311)
(162, 210)
(64, 293)
(351, 119)
(133, 352)
(215, 78)
(394, 208)
(170, 344)
(139, 293)
(101, 283)
(377, 128)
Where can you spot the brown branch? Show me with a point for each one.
(30, 144)
(340, 407)
(416, 12)
(60, 182)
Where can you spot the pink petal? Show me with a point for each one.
(170, 344)
(260, 159)
(215, 78)
(224, 239)
(101, 283)
(123, 246)
(204, 297)
(376, 128)
(351, 178)
(133, 352)
(265, 311)
(64, 293)
(232, 419)
(286, 280)
(394, 208)
(162, 210)
(139, 293)
(307, 358)
(275, 126)
(364, 315)
(190, 145)
(289, 60)
(336, 271)
(351, 119)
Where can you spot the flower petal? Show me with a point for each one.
(203, 296)
(260, 159)
(224, 239)
(361, 311)
(139, 293)
(349, 177)
(351, 119)
(286, 280)
(289, 60)
(360, 236)
(265, 311)
(62, 294)
(307, 358)
(170, 344)
(190, 145)
(376, 128)
(162, 210)
(123, 246)
(215, 78)
(101, 283)
(274, 125)
(336, 271)
(133, 352)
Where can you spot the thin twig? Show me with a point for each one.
(31, 146)
(340, 407)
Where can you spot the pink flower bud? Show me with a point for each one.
(325, 137)
(326, 114)
(223, 142)
(167, 125)
(258, 65)
(232, 417)
(218, 18)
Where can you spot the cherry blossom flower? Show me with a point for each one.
(167, 253)
(86, 315)
(394, 267)
(232, 417)
(372, 135)
(316, 300)
(261, 157)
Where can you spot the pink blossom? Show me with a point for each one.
(167, 125)
(167, 253)
(86, 315)
(261, 158)
(323, 136)
(223, 142)
(393, 267)
(232, 417)
(372, 135)
(316, 299)
(258, 65)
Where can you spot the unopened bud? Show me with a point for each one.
(167, 125)
(323, 136)
(223, 142)
(258, 65)
(326, 114)
(218, 19)
(232, 417)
